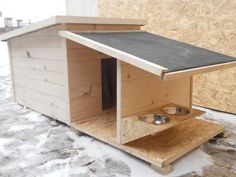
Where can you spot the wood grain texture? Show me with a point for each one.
(133, 128)
(160, 149)
(39, 73)
(57, 20)
(216, 92)
(142, 91)
(101, 27)
(115, 53)
(208, 24)
(84, 76)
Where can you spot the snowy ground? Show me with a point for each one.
(32, 144)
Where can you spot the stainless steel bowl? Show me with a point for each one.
(153, 118)
(176, 110)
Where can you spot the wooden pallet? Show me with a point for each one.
(160, 149)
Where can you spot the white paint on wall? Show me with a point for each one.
(82, 8)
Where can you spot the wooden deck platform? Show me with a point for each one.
(160, 149)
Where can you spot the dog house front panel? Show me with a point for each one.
(85, 85)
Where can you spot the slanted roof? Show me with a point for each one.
(151, 52)
(69, 19)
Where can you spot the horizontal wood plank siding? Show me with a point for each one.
(141, 90)
(43, 53)
(40, 75)
(84, 66)
(39, 64)
(48, 88)
(39, 72)
(37, 42)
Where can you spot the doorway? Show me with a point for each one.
(109, 80)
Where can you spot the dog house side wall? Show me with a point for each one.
(38, 63)
(142, 91)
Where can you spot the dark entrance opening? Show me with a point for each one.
(108, 83)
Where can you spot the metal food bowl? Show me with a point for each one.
(155, 119)
(176, 110)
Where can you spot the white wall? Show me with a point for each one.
(82, 7)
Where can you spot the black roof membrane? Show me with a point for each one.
(171, 54)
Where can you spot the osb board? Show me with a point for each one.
(167, 146)
(208, 24)
(133, 128)
(223, 98)
(160, 149)
(102, 126)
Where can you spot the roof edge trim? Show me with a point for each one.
(120, 55)
(69, 19)
(199, 70)
(99, 20)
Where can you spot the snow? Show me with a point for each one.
(218, 116)
(32, 144)
(20, 127)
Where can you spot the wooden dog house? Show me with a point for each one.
(100, 75)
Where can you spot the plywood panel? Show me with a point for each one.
(208, 24)
(217, 91)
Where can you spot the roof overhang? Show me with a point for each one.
(164, 73)
(123, 56)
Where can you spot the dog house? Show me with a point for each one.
(113, 81)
